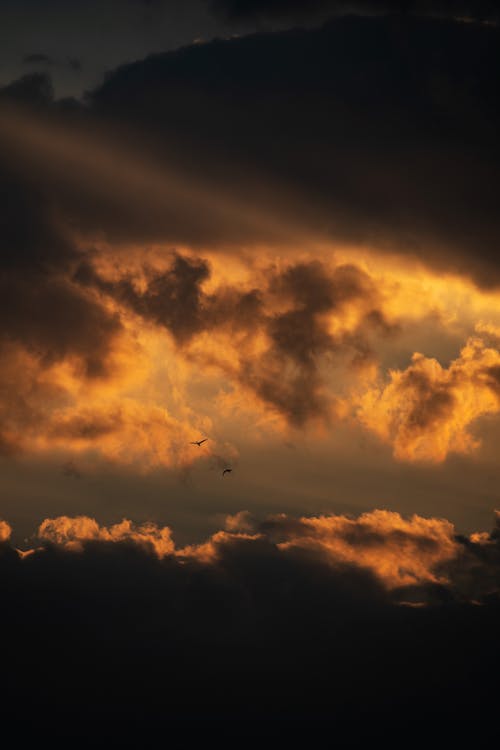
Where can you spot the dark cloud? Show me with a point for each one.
(420, 560)
(287, 375)
(476, 570)
(173, 299)
(33, 89)
(433, 401)
(275, 640)
(45, 318)
(383, 130)
(31, 314)
(41, 309)
(370, 130)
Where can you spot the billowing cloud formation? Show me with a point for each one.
(279, 341)
(425, 411)
(398, 551)
(298, 340)
(280, 621)
(422, 556)
(273, 339)
(71, 532)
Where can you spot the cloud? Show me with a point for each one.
(398, 551)
(249, 177)
(269, 630)
(5, 531)
(297, 140)
(173, 299)
(287, 322)
(50, 406)
(125, 431)
(425, 411)
(34, 90)
(46, 320)
(416, 556)
(71, 532)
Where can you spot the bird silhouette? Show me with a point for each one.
(198, 442)
(226, 471)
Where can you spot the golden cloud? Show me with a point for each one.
(5, 531)
(198, 340)
(399, 551)
(425, 412)
(396, 550)
(71, 533)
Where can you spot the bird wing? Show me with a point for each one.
(203, 441)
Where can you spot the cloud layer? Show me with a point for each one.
(424, 557)
(289, 619)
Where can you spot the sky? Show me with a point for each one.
(271, 226)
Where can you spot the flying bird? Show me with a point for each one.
(198, 442)
(226, 471)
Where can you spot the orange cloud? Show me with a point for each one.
(5, 531)
(425, 412)
(272, 335)
(281, 344)
(125, 417)
(415, 559)
(126, 431)
(73, 532)
(398, 551)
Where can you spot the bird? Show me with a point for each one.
(226, 471)
(198, 442)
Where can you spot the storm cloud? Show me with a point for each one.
(400, 114)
